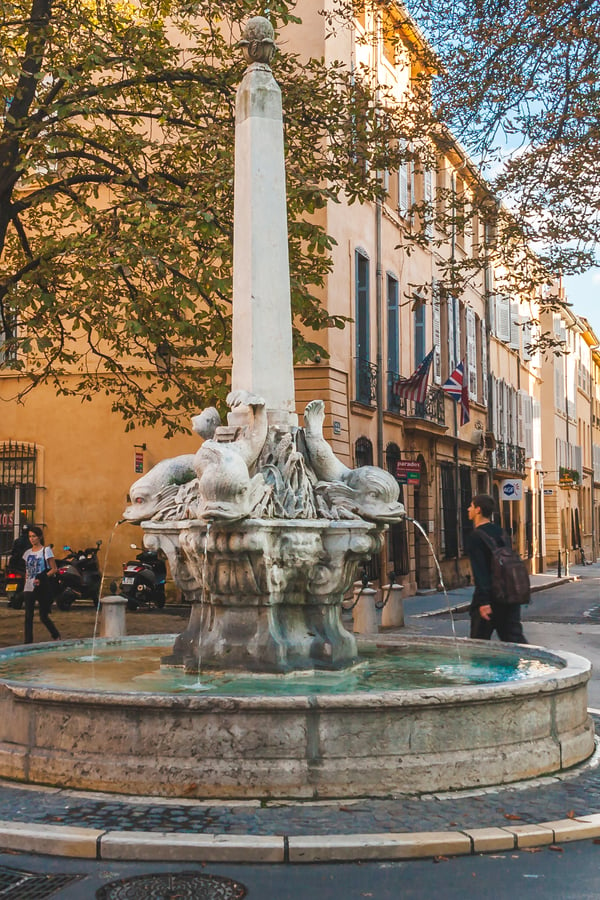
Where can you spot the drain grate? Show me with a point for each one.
(17, 884)
(168, 886)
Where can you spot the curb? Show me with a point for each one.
(88, 843)
(464, 606)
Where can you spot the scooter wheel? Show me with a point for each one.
(132, 605)
(17, 601)
(64, 603)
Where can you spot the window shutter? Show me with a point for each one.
(437, 332)
(571, 385)
(528, 424)
(471, 353)
(527, 338)
(484, 365)
(559, 383)
(537, 429)
(450, 315)
(515, 328)
(502, 318)
(457, 328)
(514, 431)
(492, 405)
(500, 424)
(403, 198)
(428, 202)
(504, 433)
(520, 423)
(491, 305)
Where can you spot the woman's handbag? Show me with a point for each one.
(46, 588)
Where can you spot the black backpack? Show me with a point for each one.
(510, 578)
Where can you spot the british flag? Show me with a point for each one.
(457, 388)
(454, 385)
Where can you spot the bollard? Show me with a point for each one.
(364, 614)
(392, 614)
(112, 617)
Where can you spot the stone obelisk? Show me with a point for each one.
(262, 320)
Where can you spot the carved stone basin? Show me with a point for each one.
(267, 594)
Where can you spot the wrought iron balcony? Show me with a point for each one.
(432, 409)
(366, 381)
(510, 457)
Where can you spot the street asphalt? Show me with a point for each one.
(546, 813)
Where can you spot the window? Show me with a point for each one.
(17, 490)
(471, 373)
(419, 330)
(393, 338)
(449, 537)
(8, 349)
(363, 452)
(406, 184)
(398, 538)
(363, 373)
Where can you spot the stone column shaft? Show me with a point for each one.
(262, 321)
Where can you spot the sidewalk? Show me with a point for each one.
(459, 599)
(100, 826)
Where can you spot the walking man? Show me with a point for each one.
(488, 616)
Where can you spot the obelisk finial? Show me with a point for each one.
(258, 40)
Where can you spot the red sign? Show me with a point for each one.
(139, 462)
(408, 472)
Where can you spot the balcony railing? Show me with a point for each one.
(510, 457)
(432, 409)
(366, 382)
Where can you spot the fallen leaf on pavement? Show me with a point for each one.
(438, 859)
(555, 847)
(512, 818)
(532, 849)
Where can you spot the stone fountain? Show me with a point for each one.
(263, 528)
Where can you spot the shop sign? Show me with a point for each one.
(139, 462)
(548, 492)
(511, 489)
(408, 472)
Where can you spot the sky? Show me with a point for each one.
(583, 291)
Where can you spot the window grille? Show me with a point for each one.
(17, 490)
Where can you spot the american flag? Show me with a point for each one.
(454, 385)
(415, 387)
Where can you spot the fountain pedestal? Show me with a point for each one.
(267, 593)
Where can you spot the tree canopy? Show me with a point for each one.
(116, 193)
(519, 86)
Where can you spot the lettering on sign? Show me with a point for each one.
(408, 472)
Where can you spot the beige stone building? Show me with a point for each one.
(69, 464)
(570, 435)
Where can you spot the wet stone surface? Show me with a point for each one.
(545, 799)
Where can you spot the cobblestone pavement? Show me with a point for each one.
(573, 795)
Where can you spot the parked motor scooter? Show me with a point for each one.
(14, 582)
(79, 576)
(143, 582)
(14, 572)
